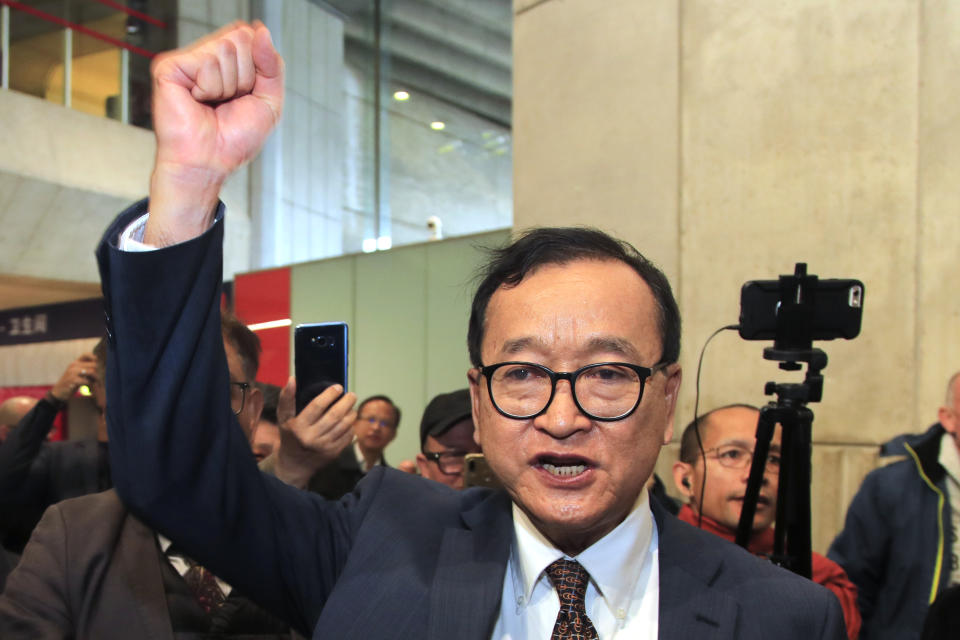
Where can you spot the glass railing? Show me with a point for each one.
(89, 55)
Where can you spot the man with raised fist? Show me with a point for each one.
(574, 339)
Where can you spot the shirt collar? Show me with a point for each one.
(164, 542)
(614, 562)
(361, 461)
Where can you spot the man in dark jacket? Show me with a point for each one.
(34, 473)
(898, 543)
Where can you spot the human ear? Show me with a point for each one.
(681, 479)
(473, 376)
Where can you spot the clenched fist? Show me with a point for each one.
(214, 104)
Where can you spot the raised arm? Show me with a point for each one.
(215, 102)
(179, 459)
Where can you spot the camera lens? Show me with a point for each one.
(322, 341)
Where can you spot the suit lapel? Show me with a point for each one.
(140, 559)
(689, 606)
(467, 586)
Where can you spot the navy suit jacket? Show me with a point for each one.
(398, 557)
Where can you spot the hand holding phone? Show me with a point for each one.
(314, 437)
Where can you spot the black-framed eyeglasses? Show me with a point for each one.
(604, 391)
(450, 462)
(734, 456)
(238, 396)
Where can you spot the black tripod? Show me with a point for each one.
(792, 538)
(794, 319)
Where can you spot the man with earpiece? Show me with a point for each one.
(712, 475)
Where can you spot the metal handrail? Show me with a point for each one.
(49, 17)
(69, 27)
(133, 13)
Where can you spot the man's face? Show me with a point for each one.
(376, 425)
(576, 478)
(456, 442)
(731, 433)
(252, 398)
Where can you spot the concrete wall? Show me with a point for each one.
(730, 140)
(296, 182)
(64, 175)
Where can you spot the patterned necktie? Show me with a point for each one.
(570, 580)
(204, 586)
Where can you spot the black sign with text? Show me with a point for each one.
(45, 323)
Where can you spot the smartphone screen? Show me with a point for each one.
(320, 359)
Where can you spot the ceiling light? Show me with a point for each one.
(384, 243)
(437, 125)
(369, 245)
(270, 324)
(401, 96)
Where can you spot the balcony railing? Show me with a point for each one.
(87, 55)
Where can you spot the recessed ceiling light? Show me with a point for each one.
(437, 125)
(401, 96)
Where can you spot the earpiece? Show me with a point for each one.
(685, 482)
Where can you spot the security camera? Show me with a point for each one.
(436, 227)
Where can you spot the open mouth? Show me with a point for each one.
(563, 466)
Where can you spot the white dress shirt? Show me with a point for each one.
(132, 237)
(361, 461)
(623, 596)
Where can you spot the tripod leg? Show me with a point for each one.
(765, 425)
(796, 514)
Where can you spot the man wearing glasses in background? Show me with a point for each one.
(446, 437)
(574, 339)
(714, 480)
(376, 427)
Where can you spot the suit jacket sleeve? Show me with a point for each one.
(179, 459)
(35, 602)
(23, 468)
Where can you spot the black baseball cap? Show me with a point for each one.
(444, 411)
